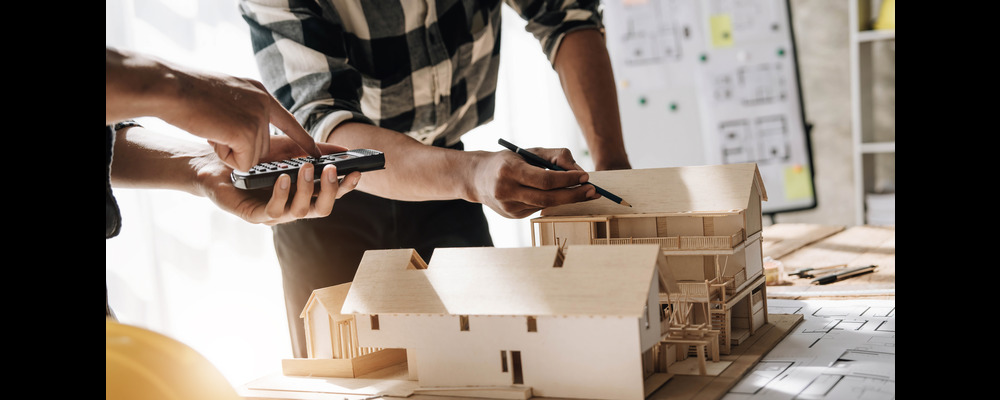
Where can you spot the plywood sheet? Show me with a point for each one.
(782, 239)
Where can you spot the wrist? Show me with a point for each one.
(467, 167)
(206, 172)
(612, 163)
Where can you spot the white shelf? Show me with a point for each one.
(875, 35)
(882, 147)
(862, 112)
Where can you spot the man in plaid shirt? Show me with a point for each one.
(409, 78)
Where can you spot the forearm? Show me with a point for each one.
(146, 159)
(413, 171)
(135, 85)
(584, 69)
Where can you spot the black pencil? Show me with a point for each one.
(843, 274)
(537, 161)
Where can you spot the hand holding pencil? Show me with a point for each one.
(537, 161)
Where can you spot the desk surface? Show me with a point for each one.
(810, 245)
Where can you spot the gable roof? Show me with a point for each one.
(593, 280)
(332, 299)
(709, 188)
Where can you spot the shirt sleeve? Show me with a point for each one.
(549, 21)
(302, 57)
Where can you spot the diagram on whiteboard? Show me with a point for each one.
(763, 140)
(712, 82)
(759, 84)
(653, 35)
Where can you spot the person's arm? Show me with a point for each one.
(147, 159)
(500, 180)
(584, 69)
(232, 113)
(329, 104)
(571, 37)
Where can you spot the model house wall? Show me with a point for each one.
(706, 219)
(571, 324)
(324, 324)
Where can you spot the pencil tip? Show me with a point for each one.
(625, 203)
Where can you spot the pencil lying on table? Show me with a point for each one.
(537, 161)
(843, 274)
(812, 272)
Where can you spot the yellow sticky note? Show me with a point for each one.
(722, 30)
(798, 182)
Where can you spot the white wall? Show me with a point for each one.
(320, 331)
(582, 357)
(651, 335)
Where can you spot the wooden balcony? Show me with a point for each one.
(736, 281)
(682, 243)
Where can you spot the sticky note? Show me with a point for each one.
(722, 30)
(798, 182)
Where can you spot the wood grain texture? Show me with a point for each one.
(782, 239)
(343, 368)
(709, 188)
(593, 280)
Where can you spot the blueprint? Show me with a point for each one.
(843, 349)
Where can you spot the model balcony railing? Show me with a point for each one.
(346, 345)
(682, 242)
(738, 279)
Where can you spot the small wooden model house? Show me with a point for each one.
(579, 324)
(707, 221)
(331, 341)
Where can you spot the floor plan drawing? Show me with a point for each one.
(765, 140)
(842, 349)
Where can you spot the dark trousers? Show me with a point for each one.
(317, 253)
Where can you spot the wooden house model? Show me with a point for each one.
(331, 341)
(607, 302)
(583, 323)
(706, 220)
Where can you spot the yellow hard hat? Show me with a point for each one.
(142, 364)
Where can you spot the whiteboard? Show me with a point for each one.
(713, 82)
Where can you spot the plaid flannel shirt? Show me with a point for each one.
(424, 68)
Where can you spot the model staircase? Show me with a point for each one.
(719, 324)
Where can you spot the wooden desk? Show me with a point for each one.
(809, 245)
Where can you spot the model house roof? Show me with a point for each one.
(710, 188)
(592, 280)
(332, 299)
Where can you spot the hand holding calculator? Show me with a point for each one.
(263, 175)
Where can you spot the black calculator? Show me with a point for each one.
(264, 175)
